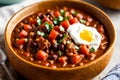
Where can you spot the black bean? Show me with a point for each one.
(34, 43)
(41, 16)
(45, 30)
(48, 13)
(59, 36)
(53, 56)
(61, 47)
(55, 47)
(28, 48)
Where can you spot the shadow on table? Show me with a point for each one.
(3, 75)
(14, 73)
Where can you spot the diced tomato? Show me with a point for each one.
(20, 42)
(45, 19)
(100, 29)
(53, 34)
(41, 55)
(74, 20)
(57, 28)
(26, 54)
(84, 50)
(33, 21)
(75, 58)
(65, 24)
(63, 59)
(57, 13)
(27, 27)
(23, 33)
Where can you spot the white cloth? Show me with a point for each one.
(7, 11)
(114, 74)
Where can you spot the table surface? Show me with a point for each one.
(115, 17)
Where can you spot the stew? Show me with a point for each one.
(60, 37)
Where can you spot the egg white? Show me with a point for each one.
(75, 29)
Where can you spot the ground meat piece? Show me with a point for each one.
(91, 56)
(70, 49)
(76, 58)
(31, 34)
(43, 43)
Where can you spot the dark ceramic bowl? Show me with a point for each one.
(9, 1)
(36, 72)
(112, 4)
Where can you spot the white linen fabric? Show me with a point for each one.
(6, 12)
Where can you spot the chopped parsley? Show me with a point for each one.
(82, 21)
(40, 33)
(39, 21)
(48, 26)
(92, 50)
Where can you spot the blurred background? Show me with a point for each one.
(110, 7)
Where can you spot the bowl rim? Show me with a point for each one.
(62, 69)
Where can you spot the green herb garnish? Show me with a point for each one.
(60, 18)
(67, 18)
(48, 26)
(76, 47)
(64, 36)
(46, 35)
(82, 21)
(40, 33)
(61, 28)
(62, 12)
(74, 13)
(39, 21)
(55, 21)
(60, 53)
(68, 42)
(92, 50)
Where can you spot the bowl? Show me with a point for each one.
(112, 4)
(9, 1)
(36, 72)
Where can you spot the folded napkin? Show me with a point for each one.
(114, 74)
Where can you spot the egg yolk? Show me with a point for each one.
(86, 35)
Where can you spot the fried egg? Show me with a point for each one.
(82, 34)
